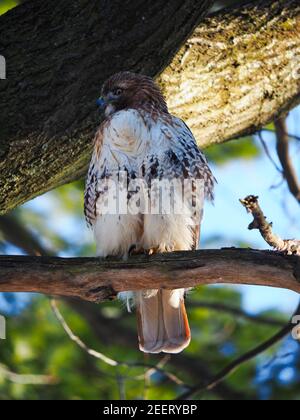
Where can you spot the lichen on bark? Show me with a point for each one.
(237, 72)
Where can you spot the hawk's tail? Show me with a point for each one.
(162, 321)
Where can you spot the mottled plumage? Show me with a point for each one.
(141, 148)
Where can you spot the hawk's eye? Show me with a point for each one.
(118, 91)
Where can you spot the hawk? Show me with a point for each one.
(145, 191)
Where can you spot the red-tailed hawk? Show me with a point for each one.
(145, 190)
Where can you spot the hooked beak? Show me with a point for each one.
(101, 103)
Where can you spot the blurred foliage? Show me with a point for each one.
(43, 348)
(6, 5)
(36, 343)
(245, 148)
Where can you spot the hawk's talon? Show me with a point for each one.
(132, 250)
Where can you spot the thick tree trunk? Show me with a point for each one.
(236, 72)
(58, 54)
(92, 280)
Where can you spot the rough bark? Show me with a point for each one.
(236, 72)
(58, 54)
(95, 281)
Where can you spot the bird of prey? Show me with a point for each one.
(145, 192)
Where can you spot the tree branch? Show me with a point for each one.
(27, 379)
(231, 368)
(291, 136)
(17, 234)
(110, 331)
(236, 312)
(95, 281)
(111, 362)
(289, 246)
(238, 71)
(113, 331)
(268, 153)
(246, 61)
(289, 172)
(77, 340)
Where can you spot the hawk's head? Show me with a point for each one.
(129, 90)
